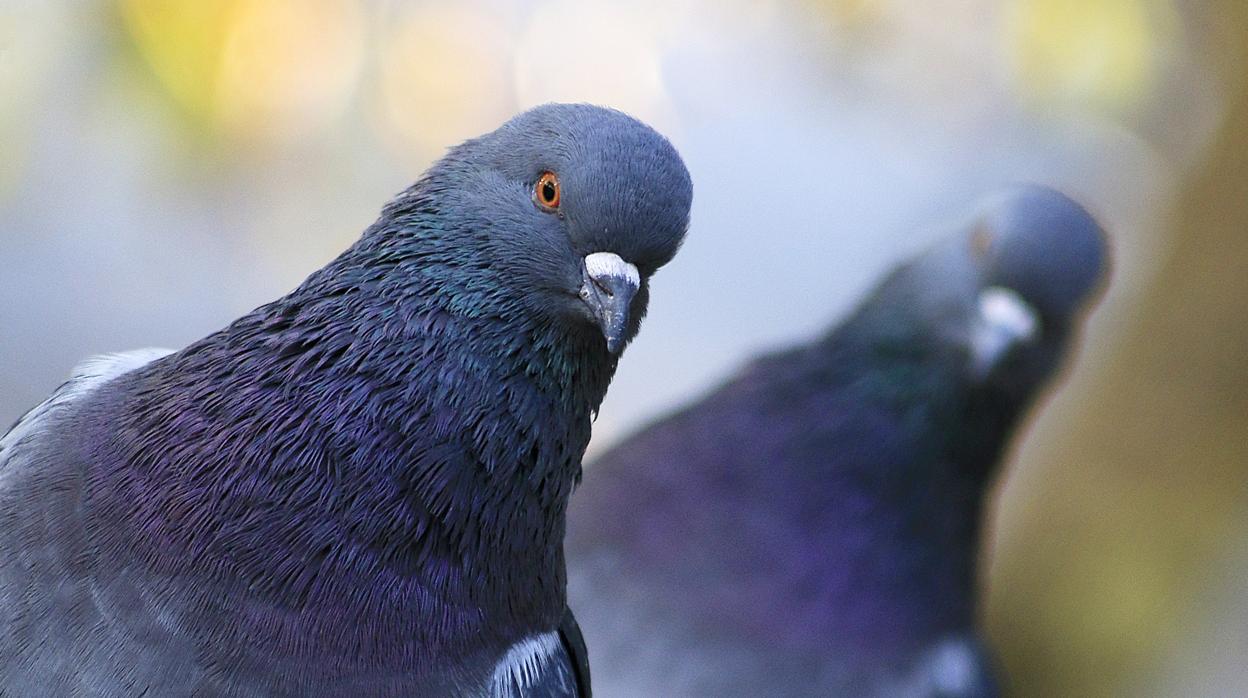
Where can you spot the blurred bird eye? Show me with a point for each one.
(547, 191)
(981, 241)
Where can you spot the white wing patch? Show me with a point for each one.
(523, 663)
(955, 666)
(85, 377)
(105, 367)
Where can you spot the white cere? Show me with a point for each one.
(601, 264)
(1004, 321)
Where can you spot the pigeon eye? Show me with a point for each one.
(547, 191)
(981, 241)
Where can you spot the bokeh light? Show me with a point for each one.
(28, 54)
(1107, 54)
(445, 75)
(607, 54)
(182, 44)
(258, 70)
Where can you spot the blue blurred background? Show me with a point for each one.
(166, 166)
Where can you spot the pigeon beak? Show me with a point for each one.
(1004, 321)
(608, 285)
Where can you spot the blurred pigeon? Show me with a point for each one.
(359, 489)
(811, 528)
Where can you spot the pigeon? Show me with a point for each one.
(811, 527)
(359, 489)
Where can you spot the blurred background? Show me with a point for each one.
(167, 166)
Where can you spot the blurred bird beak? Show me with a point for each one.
(1004, 321)
(608, 285)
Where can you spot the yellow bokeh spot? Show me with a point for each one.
(445, 76)
(1106, 52)
(181, 43)
(270, 69)
(288, 64)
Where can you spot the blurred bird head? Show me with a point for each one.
(996, 300)
(1040, 258)
(569, 209)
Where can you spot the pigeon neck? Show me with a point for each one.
(917, 500)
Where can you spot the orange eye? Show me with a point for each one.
(547, 191)
(981, 241)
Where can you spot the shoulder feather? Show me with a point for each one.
(86, 376)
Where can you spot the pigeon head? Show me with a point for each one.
(982, 319)
(1045, 247)
(1041, 258)
(1006, 284)
(569, 209)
